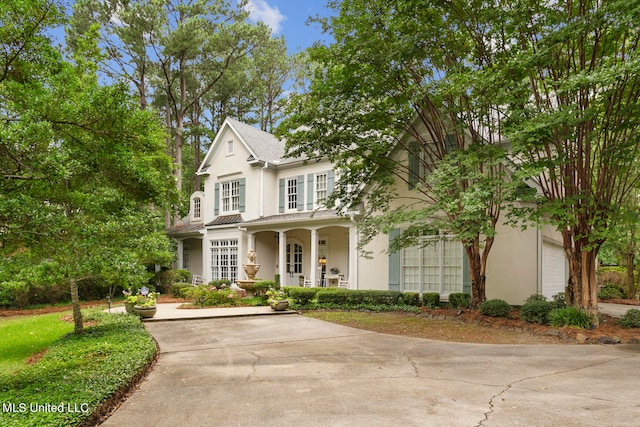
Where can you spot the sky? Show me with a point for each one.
(289, 17)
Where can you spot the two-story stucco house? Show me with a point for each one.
(254, 198)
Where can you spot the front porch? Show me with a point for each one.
(320, 252)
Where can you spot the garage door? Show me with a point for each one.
(554, 268)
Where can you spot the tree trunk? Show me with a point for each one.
(582, 288)
(75, 300)
(631, 280)
(477, 273)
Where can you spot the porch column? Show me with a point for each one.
(313, 271)
(206, 259)
(251, 241)
(353, 257)
(282, 266)
(180, 263)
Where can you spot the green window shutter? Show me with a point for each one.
(466, 273)
(300, 195)
(394, 263)
(216, 202)
(281, 196)
(331, 181)
(414, 164)
(241, 194)
(450, 142)
(310, 182)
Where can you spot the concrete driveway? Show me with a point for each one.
(295, 371)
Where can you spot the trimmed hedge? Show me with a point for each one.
(411, 298)
(431, 299)
(459, 300)
(302, 296)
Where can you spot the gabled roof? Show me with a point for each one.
(262, 146)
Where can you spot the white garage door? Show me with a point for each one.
(553, 269)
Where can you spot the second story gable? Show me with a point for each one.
(246, 177)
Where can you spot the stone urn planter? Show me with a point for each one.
(280, 305)
(145, 311)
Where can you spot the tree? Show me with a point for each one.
(569, 82)
(401, 79)
(175, 53)
(83, 165)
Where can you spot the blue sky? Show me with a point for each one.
(288, 17)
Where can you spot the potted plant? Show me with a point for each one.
(277, 299)
(129, 300)
(145, 304)
(334, 270)
(301, 280)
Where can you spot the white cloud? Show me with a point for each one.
(260, 10)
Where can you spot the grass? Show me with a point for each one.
(80, 372)
(23, 337)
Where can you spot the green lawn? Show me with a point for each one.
(23, 337)
(78, 374)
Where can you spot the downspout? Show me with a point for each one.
(539, 266)
(266, 166)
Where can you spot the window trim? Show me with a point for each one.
(291, 194)
(230, 249)
(318, 200)
(229, 201)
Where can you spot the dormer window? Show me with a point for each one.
(197, 202)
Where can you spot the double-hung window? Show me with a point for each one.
(320, 188)
(230, 196)
(292, 193)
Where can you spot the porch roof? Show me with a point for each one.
(184, 228)
(226, 220)
(327, 214)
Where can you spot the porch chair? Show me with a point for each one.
(344, 284)
(196, 280)
(307, 282)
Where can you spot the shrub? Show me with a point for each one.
(569, 316)
(261, 287)
(220, 283)
(176, 289)
(536, 311)
(335, 296)
(459, 300)
(536, 297)
(302, 296)
(211, 296)
(631, 319)
(165, 278)
(495, 308)
(559, 300)
(411, 298)
(611, 275)
(611, 291)
(431, 299)
(14, 294)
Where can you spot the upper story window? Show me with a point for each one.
(197, 210)
(230, 196)
(230, 146)
(320, 188)
(292, 193)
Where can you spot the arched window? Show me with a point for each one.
(197, 208)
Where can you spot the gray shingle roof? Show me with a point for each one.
(265, 146)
